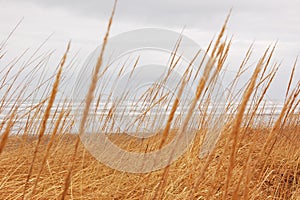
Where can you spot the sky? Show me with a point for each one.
(85, 22)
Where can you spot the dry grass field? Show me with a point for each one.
(275, 176)
(253, 158)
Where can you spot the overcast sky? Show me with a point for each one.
(84, 22)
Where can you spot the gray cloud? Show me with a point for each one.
(178, 12)
(263, 21)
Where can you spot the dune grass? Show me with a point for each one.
(253, 158)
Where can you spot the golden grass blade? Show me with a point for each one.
(46, 116)
(237, 123)
(88, 100)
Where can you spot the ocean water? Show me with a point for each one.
(129, 116)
